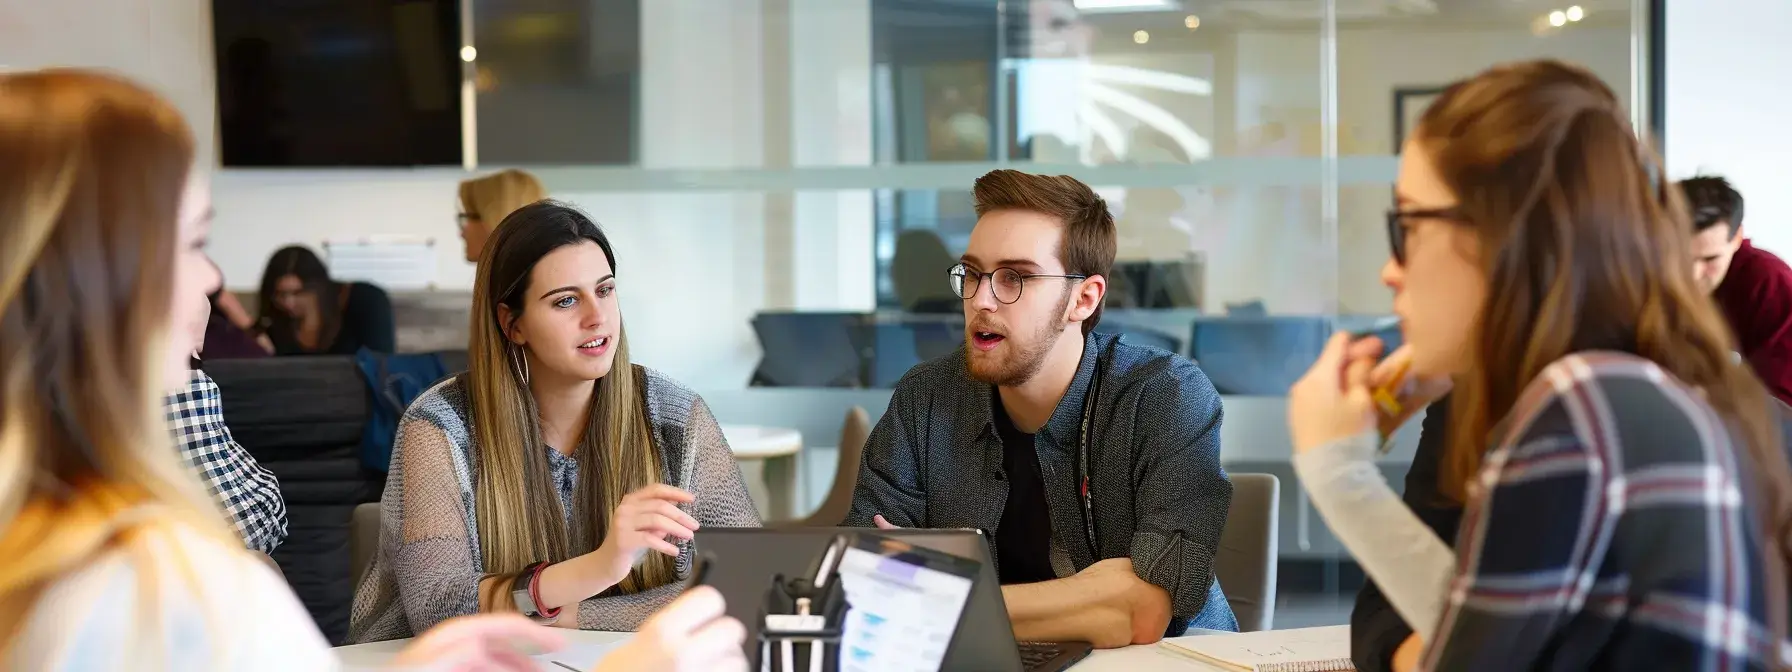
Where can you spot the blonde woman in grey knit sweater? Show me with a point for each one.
(554, 477)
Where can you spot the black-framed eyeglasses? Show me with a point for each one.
(1005, 283)
(461, 219)
(1397, 226)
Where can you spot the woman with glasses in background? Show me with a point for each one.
(112, 555)
(1625, 489)
(486, 201)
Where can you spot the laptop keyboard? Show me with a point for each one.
(1034, 656)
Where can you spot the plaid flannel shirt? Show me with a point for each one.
(1611, 528)
(245, 490)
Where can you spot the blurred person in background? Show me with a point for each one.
(230, 332)
(1752, 286)
(305, 312)
(1625, 490)
(486, 201)
(111, 554)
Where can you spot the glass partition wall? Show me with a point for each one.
(788, 180)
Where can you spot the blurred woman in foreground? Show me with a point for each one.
(1624, 485)
(111, 555)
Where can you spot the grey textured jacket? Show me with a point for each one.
(1158, 492)
(428, 567)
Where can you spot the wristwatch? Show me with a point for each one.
(525, 591)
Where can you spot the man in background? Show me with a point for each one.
(1751, 285)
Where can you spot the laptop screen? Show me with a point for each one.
(906, 603)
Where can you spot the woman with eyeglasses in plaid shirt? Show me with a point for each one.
(1625, 487)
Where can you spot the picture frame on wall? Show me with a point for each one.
(1410, 104)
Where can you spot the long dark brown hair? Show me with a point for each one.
(519, 517)
(314, 277)
(1587, 244)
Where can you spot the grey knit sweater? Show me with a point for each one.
(428, 566)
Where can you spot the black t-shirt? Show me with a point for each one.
(1024, 537)
(367, 322)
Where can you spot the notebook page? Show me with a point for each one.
(1326, 648)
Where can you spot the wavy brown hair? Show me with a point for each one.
(520, 519)
(90, 187)
(1587, 245)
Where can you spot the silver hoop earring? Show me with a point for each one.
(519, 363)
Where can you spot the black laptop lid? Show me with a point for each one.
(746, 559)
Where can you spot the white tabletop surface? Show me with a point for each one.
(752, 442)
(584, 646)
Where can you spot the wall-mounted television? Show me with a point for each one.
(315, 83)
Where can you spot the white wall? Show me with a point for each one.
(700, 258)
(1727, 104)
(713, 91)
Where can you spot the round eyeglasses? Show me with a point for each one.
(1005, 283)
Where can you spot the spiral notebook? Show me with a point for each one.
(1301, 650)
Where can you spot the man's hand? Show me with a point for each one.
(1147, 606)
(884, 524)
(1106, 604)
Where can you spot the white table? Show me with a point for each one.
(1148, 658)
(777, 449)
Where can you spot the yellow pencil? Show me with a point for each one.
(1387, 396)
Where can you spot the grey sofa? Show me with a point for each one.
(302, 418)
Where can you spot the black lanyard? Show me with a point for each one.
(1082, 460)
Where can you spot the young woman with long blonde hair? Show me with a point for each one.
(554, 474)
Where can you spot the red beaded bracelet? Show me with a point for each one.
(535, 591)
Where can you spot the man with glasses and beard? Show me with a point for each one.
(1093, 464)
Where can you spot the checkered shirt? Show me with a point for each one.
(1612, 527)
(246, 491)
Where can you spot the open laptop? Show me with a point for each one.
(744, 560)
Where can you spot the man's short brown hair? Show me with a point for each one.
(1089, 239)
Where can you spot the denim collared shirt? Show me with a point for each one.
(1158, 493)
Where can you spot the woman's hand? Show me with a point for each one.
(1332, 401)
(495, 642)
(643, 522)
(1412, 392)
(692, 633)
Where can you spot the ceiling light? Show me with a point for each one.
(1124, 5)
(468, 53)
(1192, 22)
(1141, 37)
(1575, 13)
(1557, 18)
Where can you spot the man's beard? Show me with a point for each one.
(1023, 362)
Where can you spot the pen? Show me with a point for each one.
(574, 669)
(1385, 397)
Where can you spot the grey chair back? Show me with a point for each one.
(1246, 562)
(363, 539)
(853, 434)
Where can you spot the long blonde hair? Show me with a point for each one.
(493, 197)
(90, 186)
(520, 519)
